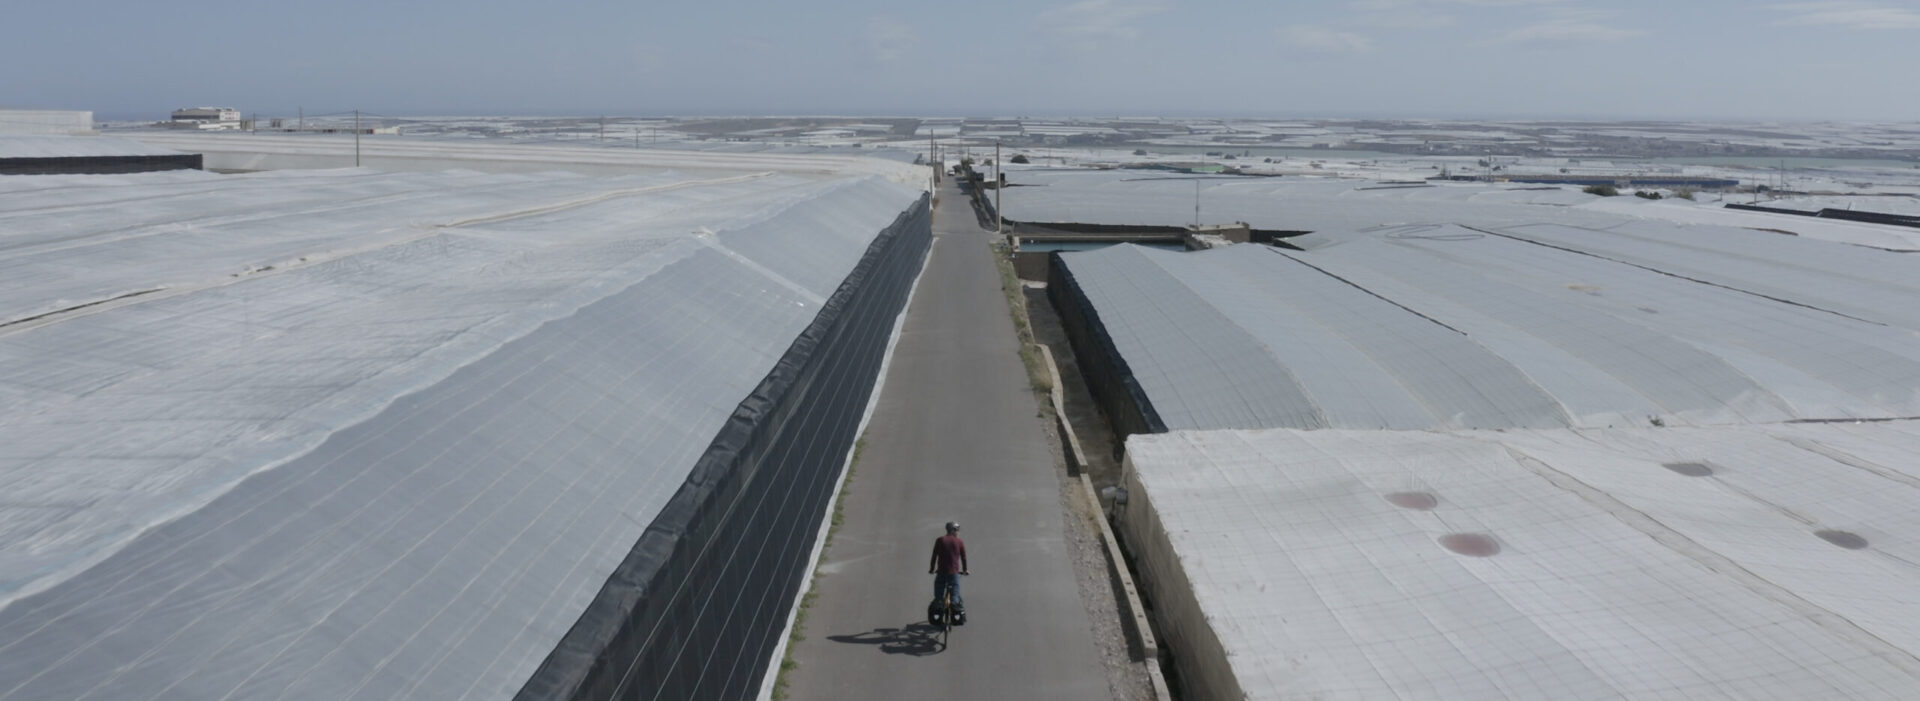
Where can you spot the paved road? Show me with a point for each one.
(955, 437)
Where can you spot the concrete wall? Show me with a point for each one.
(1204, 671)
(1031, 265)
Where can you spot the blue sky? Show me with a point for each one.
(1711, 59)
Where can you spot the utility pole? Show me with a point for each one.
(999, 179)
(356, 138)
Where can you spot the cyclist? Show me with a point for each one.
(949, 562)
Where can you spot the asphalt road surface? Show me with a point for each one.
(955, 437)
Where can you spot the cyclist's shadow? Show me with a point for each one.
(918, 639)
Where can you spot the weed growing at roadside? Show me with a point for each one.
(798, 632)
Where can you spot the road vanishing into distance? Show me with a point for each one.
(955, 437)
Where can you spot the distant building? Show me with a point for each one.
(46, 122)
(205, 118)
(206, 114)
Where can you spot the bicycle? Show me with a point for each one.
(946, 616)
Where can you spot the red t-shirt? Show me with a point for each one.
(949, 555)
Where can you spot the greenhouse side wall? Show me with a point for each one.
(98, 165)
(1106, 372)
(695, 609)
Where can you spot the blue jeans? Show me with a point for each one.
(941, 582)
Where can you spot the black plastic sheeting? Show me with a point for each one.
(696, 608)
(98, 165)
(1108, 376)
(1774, 210)
(1831, 213)
(1869, 217)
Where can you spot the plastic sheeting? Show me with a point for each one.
(1125, 197)
(1445, 328)
(1285, 204)
(42, 155)
(98, 164)
(370, 435)
(1109, 379)
(694, 610)
(1856, 281)
(399, 153)
(1730, 562)
(61, 122)
(12, 146)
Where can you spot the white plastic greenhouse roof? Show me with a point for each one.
(258, 437)
(1442, 327)
(242, 151)
(1753, 562)
(75, 147)
(1326, 204)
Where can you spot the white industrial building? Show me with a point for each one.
(206, 118)
(206, 114)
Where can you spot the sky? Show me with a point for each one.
(1826, 60)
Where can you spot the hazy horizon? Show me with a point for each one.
(1715, 60)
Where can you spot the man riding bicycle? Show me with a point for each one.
(949, 562)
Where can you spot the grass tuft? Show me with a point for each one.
(1010, 287)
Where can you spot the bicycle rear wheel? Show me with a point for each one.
(946, 618)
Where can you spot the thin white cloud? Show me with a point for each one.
(1428, 14)
(1565, 25)
(1089, 24)
(1566, 30)
(889, 39)
(1318, 39)
(1403, 5)
(1399, 14)
(1849, 15)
